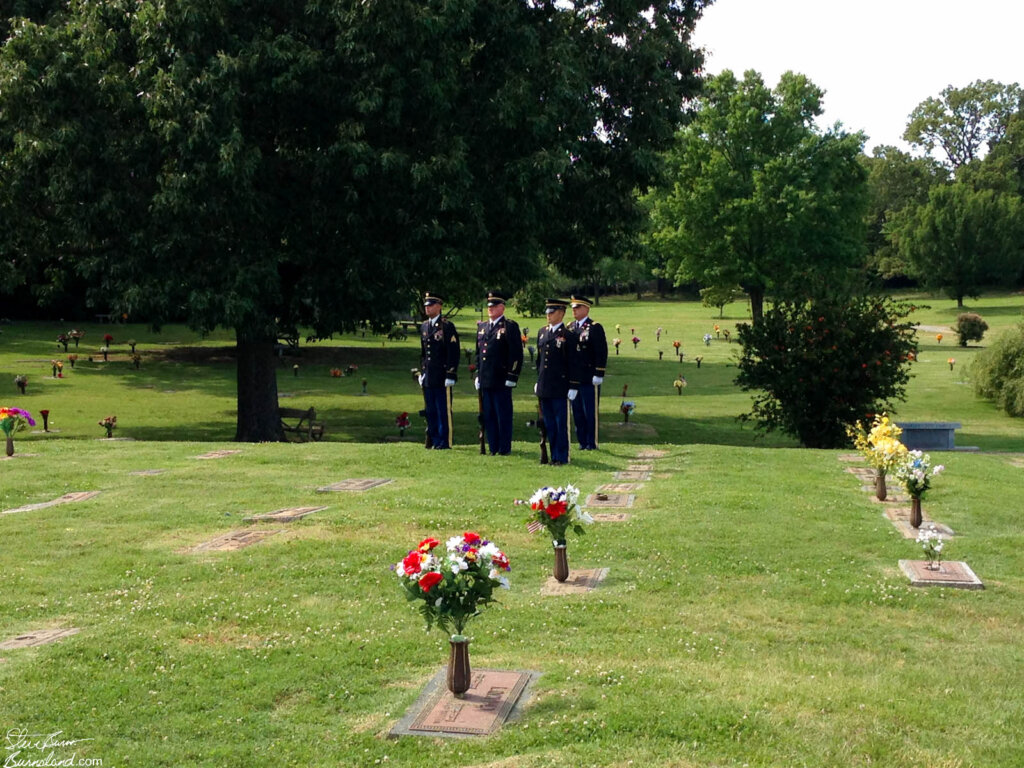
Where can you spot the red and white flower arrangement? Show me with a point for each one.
(558, 510)
(453, 584)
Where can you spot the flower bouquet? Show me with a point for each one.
(881, 447)
(679, 384)
(558, 510)
(616, 343)
(932, 544)
(402, 422)
(453, 586)
(21, 381)
(635, 340)
(915, 472)
(14, 420)
(627, 407)
(108, 423)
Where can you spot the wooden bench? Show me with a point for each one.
(307, 427)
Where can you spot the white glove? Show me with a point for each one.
(535, 389)
(476, 383)
(422, 377)
(509, 383)
(598, 381)
(573, 393)
(449, 382)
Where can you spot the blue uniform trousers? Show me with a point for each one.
(497, 407)
(584, 416)
(438, 404)
(556, 422)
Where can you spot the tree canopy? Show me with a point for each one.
(757, 195)
(264, 165)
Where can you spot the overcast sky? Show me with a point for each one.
(875, 59)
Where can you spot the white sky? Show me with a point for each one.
(875, 59)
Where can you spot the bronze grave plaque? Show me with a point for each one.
(610, 500)
(611, 517)
(640, 467)
(850, 457)
(480, 711)
(949, 574)
(580, 580)
(65, 499)
(651, 453)
(229, 542)
(217, 454)
(289, 515)
(355, 484)
(631, 475)
(38, 637)
(619, 487)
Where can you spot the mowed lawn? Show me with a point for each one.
(753, 614)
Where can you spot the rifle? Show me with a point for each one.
(480, 421)
(542, 427)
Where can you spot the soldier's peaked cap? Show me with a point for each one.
(553, 305)
(432, 298)
(494, 298)
(580, 301)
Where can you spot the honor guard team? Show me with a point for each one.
(571, 362)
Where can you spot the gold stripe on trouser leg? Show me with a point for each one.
(448, 401)
(568, 428)
(597, 411)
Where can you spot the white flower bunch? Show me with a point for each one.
(931, 543)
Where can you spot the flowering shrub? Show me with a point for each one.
(816, 367)
(881, 446)
(558, 510)
(456, 584)
(915, 471)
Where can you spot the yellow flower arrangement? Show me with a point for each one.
(881, 445)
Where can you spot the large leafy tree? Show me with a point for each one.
(758, 196)
(897, 184)
(964, 122)
(263, 165)
(963, 238)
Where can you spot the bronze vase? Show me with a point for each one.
(561, 562)
(880, 490)
(916, 517)
(10, 445)
(459, 673)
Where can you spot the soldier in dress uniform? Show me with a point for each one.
(439, 362)
(553, 348)
(499, 361)
(588, 360)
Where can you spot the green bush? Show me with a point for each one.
(998, 372)
(969, 327)
(824, 365)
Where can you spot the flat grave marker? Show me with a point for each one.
(637, 430)
(950, 574)
(355, 484)
(619, 487)
(580, 580)
(900, 518)
(217, 454)
(37, 637)
(866, 473)
(651, 453)
(67, 498)
(147, 472)
(603, 500)
(850, 457)
(235, 540)
(611, 517)
(640, 467)
(289, 515)
(493, 697)
(631, 475)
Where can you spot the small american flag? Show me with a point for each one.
(534, 525)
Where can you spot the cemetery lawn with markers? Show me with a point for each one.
(753, 614)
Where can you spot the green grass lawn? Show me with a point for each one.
(754, 613)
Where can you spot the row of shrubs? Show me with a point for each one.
(998, 371)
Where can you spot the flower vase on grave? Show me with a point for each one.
(915, 512)
(10, 445)
(459, 672)
(880, 490)
(561, 561)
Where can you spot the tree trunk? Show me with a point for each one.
(756, 305)
(258, 421)
(959, 302)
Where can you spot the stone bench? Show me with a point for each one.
(928, 435)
